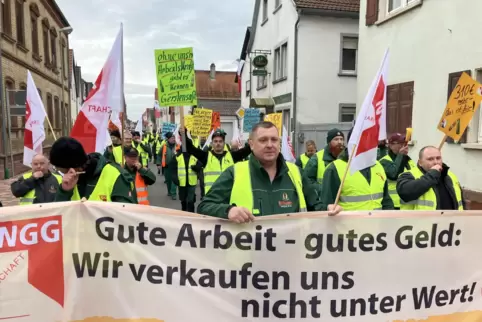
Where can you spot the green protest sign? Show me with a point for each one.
(176, 80)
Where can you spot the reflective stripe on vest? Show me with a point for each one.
(141, 190)
(356, 193)
(144, 155)
(321, 166)
(304, 160)
(30, 196)
(105, 184)
(160, 146)
(214, 168)
(242, 192)
(164, 153)
(181, 171)
(428, 201)
(392, 184)
(117, 151)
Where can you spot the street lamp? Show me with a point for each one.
(66, 31)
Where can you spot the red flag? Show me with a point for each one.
(105, 98)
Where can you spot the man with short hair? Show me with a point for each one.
(263, 185)
(114, 152)
(88, 176)
(168, 153)
(431, 185)
(37, 186)
(143, 148)
(303, 159)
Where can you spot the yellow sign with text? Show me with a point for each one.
(276, 119)
(463, 102)
(202, 119)
(189, 122)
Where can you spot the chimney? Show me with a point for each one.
(212, 72)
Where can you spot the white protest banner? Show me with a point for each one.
(112, 262)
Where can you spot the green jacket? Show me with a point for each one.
(394, 168)
(146, 174)
(381, 152)
(331, 184)
(86, 184)
(311, 169)
(170, 154)
(268, 194)
(299, 163)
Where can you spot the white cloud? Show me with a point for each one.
(214, 28)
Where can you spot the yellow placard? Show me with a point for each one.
(276, 119)
(462, 104)
(202, 118)
(176, 80)
(189, 122)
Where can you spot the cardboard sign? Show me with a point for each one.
(251, 118)
(216, 121)
(176, 80)
(463, 102)
(168, 127)
(276, 119)
(189, 122)
(202, 122)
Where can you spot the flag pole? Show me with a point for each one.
(50, 126)
(350, 157)
(123, 99)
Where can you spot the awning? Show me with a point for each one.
(262, 102)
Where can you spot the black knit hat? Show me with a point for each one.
(333, 133)
(67, 153)
(169, 135)
(136, 133)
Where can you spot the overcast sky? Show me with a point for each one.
(215, 28)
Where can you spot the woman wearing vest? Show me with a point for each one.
(430, 185)
(143, 148)
(185, 168)
(217, 159)
(303, 159)
(38, 186)
(366, 189)
(264, 185)
(142, 176)
(394, 163)
(88, 176)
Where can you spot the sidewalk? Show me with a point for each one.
(6, 196)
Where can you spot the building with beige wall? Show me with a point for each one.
(35, 37)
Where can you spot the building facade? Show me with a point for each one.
(425, 64)
(75, 99)
(34, 37)
(311, 52)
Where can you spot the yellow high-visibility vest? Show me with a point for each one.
(357, 193)
(392, 184)
(30, 196)
(214, 168)
(321, 166)
(181, 171)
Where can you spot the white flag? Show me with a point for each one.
(286, 147)
(34, 123)
(371, 122)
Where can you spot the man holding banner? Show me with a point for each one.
(278, 184)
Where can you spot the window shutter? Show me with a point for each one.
(406, 107)
(372, 12)
(393, 103)
(453, 79)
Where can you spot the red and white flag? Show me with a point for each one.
(105, 98)
(286, 147)
(35, 115)
(157, 110)
(239, 72)
(371, 123)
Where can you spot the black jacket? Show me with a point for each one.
(173, 166)
(45, 188)
(410, 189)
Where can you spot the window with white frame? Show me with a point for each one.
(349, 54)
(281, 62)
(347, 113)
(265, 10)
(262, 82)
(397, 4)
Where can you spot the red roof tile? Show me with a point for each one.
(222, 87)
(332, 5)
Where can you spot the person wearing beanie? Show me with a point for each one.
(396, 162)
(366, 189)
(303, 159)
(143, 148)
(315, 168)
(142, 176)
(113, 152)
(88, 176)
(168, 153)
(217, 158)
(158, 145)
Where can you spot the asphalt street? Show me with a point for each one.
(158, 193)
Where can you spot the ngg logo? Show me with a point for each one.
(42, 239)
(29, 233)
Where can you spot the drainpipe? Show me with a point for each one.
(295, 85)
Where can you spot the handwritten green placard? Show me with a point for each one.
(176, 80)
